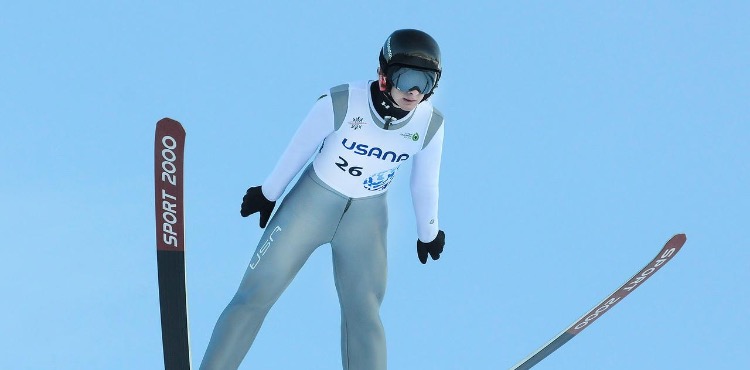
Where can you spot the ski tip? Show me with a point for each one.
(677, 241)
(168, 124)
(167, 120)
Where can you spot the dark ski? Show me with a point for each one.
(665, 255)
(169, 148)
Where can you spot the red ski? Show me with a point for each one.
(667, 253)
(170, 242)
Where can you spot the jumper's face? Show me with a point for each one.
(407, 101)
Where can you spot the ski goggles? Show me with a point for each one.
(406, 79)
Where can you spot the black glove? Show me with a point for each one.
(434, 248)
(255, 201)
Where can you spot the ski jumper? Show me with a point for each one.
(339, 199)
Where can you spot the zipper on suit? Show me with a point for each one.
(387, 124)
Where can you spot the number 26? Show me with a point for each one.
(354, 171)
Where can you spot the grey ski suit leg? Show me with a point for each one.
(313, 214)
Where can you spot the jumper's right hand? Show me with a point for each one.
(255, 201)
(433, 248)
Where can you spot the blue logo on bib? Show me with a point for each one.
(366, 150)
(380, 181)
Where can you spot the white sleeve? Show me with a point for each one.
(425, 175)
(314, 128)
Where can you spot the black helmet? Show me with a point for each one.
(412, 48)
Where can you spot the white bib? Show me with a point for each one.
(360, 158)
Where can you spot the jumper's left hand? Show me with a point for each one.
(255, 201)
(433, 248)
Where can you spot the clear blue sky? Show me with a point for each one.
(580, 137)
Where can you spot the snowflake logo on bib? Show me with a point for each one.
(357, 123)
(381, 180)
